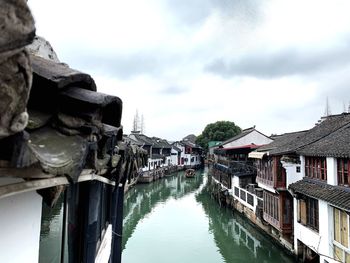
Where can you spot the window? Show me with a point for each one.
(237, 191)
(341, 227)
(250, 199)
(243, 195)
(271, 205)
(264, 170)
(341, 235)
(308, 212)
(287, 211)
(316, 168)
(343, 171)
(298, 169)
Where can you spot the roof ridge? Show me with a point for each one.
(341, 127)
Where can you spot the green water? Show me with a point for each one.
(175, 220)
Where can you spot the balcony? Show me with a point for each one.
(239, 168)
(278, 211)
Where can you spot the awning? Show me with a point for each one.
(256, 155)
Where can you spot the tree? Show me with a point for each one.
(218, 131)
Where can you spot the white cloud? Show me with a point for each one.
(283, 57)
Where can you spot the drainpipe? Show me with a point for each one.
(73, 223)
(117, 216)
(117, 223)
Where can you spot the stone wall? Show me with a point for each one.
(17, 31)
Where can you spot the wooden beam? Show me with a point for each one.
(33, 185)
(27, 173)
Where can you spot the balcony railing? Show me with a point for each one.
(238, 168)
(246, 198)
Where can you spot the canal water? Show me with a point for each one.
(176, 220)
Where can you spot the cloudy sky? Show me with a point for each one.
(186, 63)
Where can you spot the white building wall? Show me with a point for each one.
(292, 175)
(235, 182)
(182, 148)
(173, 157)
(332, 178)
(320, 242)
(150, 165)
(20, 224)
(253, 137)
(302, 164)
(167, 161)
(187, 159)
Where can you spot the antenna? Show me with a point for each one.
(327, 111)
(142, 125)
(136, 122)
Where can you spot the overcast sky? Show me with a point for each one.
(186, 63)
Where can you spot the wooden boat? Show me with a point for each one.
(189, 173)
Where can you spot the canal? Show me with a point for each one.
(176, 220)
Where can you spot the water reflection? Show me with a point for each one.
(140, 200)
(51, 232)
(180, 213)
(236, 239)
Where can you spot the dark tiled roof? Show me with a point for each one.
(143, 139)
(191, 138)
(176, 148)
(335, 195)
(131, 141)
(160, 143)
(151, 141)
(190, 144)
(329, 125)
(281, 141)
(158, 156)
(336, 144)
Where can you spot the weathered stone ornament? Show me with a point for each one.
(17, 30)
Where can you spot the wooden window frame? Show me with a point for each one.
(272, 206)
(342, 173)
(341, 237)
(308, 212)
(316, 167)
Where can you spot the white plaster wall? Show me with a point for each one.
(20, 224)
(302, 163)
(332, 178)
(235, 181)
(150, 161)
(196, 160)
(291, 173)
(104, 250)
(253, 137)
(267, 188)
(167, 161)
(320, 241)
(174, 159)
(325, 228)
(188, 162)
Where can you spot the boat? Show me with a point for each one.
(189, 173)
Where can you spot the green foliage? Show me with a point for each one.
(218, 131)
